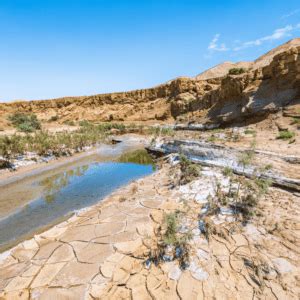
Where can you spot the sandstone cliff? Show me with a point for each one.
(268, 84)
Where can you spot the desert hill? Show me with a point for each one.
(222, 69)
(266, 85)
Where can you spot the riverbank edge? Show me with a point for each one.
(10, 177)
(109, 199)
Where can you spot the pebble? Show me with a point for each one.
(282, 265)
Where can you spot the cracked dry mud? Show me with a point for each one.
(100, 252)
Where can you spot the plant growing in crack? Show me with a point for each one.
(244, 160)
(189, 171)
(172, 241)
(243, 194)
(227, 172)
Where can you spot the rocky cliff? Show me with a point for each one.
(266, 85)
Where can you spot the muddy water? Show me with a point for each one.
(55, 195)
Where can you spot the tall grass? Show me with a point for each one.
(45, 143)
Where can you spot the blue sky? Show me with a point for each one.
(53, 48)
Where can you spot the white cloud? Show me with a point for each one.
(237, 45)
(294, 12)
(276, 35)
(214, 46)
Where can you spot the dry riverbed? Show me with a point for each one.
(102, 252)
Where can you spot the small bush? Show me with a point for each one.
(122, 199)
(10, 146)
(286, 135)
(295, 120)
(227, 171)
(246, 158)
(250, 131)
(162, 131)
(165, 131)
(84, 123)
(171, 221)
(212, 138)
(69, 123)
(263, 185)
(236, 71)
(189, 171)
(110, 126)
(53, 118)
(172, 243)
(25, 122)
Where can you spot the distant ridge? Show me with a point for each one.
(268, 84)
(222, 69)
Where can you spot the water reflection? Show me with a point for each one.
(68, 191)
(53, 184)
(140, 156)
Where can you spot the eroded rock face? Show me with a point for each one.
(268, 84)
(209, 154)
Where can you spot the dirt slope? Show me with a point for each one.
(222, 69)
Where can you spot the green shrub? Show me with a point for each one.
(25, 122)
(84, 123)
(11, 146)
(246, 158)
(166, 131)
(227, 171)
(60, 143)
(236, 71)
(250, 131)
(42, 142)
(286, 135)
(189, 171)
(295, 120)
(172, 243)
(171, 223)
(110, 126)
(163, 131)
(155, 130)
(212, 139)
(53, 118)
(263, 185)
(69, 123)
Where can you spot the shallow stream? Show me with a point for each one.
(71, 188)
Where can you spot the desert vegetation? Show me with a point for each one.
(172, 243)
(239, 199)
(296, 121)
(236, 71)
(286, 135)
(160, 131)
(188, 170)
(44, 143)
(250, 132)
(25, 122)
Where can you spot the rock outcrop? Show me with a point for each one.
(268, 84)
(212, 155)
